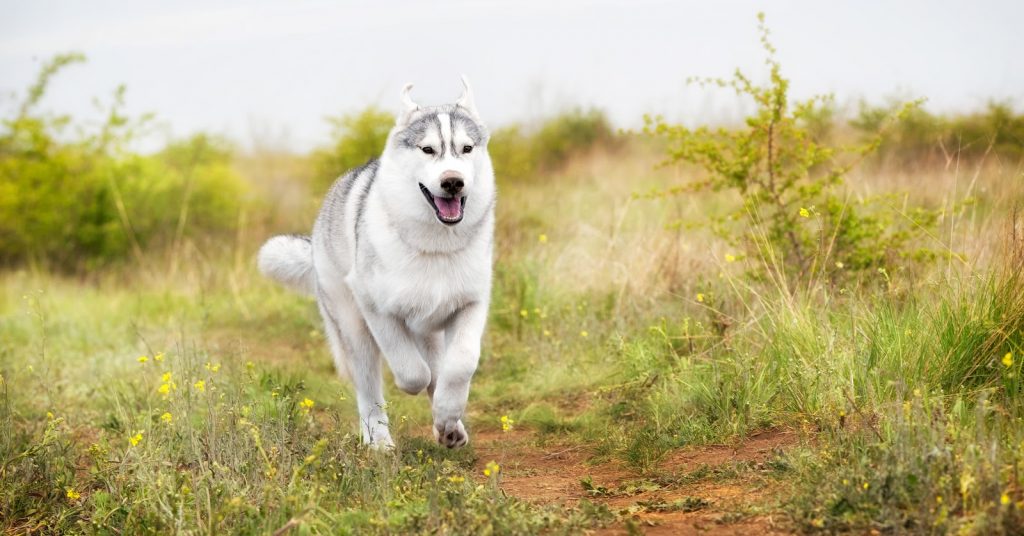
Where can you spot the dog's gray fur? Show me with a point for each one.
(399, 270)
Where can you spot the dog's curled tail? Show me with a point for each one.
(288, 259)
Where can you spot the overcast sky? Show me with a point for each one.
(274, 70)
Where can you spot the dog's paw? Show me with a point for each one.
(384, 445)
(451, 434)
(379, 440)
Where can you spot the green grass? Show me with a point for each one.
(622, 337)
(92, 444)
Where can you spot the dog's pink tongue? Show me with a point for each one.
(449, 207)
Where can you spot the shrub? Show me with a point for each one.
(357, 138)
(521, 154)
(789, 179)
(922, 137)
(90, 200)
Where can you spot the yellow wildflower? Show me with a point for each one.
(492, 469)
(524, 313)
(840, 265)
(1008, 359)
(700, 297)
(135, 439)
(543, 238)
(866, 485)
(804, 213)
(49, 415)
(730, 257)
(1004, 499)
(74, 495)
(158, 357)
(166, 377)
(584, 334)
(211, 367)
(506, 423)
(306, 404)
(456, 479)
(167, 418)
(142, 359)
(200, 386)
(547, 333)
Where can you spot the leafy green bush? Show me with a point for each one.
(357, 137)
(521, 154)
(73, 200)
(922, 137)
(789, 179)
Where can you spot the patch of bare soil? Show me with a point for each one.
(663, 502)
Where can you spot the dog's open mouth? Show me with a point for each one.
(449, 210)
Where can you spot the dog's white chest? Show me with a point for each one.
(425, 291)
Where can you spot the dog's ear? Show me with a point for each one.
(466, 100)
(410, 106)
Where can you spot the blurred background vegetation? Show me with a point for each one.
(75, 196)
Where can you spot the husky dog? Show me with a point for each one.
(400, 264)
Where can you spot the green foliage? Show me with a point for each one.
(73, 199)
(521, 154)
(975, 330)
(923, 138)
(789, 179)
(356, 138)
(929, 468)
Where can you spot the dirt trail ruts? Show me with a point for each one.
(553, 474)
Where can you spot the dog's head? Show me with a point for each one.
(440, 153)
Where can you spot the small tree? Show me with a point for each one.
(788, 177)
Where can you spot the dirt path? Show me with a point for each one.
(692, 491)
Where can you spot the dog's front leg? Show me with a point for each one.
(454, 373)
(411, 372)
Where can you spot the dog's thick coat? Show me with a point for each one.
(400, 264)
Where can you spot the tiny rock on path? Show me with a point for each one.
(554, 474)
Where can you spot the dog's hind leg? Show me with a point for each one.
(356, 353)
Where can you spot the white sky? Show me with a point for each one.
(273, 70)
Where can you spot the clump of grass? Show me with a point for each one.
(928, 466)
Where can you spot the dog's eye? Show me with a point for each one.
(428, 150)
(466, 149)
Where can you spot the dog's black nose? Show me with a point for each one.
(452, 185)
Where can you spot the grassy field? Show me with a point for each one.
(638, 375)
(738, 339)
